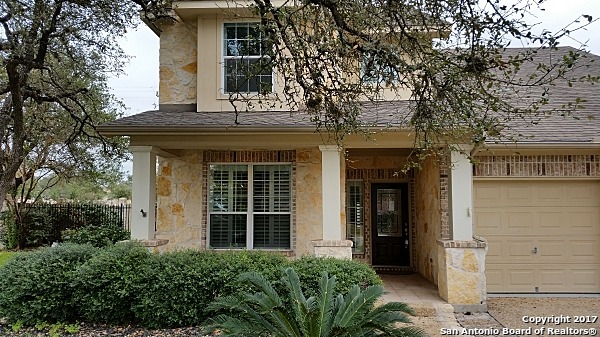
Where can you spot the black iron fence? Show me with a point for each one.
(77, 215)
(34, 225)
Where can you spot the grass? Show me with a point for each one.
(5, 256)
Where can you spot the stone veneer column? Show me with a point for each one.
(333, 243)
(461, 274)
(461, 271)
(143, 192)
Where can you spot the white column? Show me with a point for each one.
(331, 187)
(143, 193)
(460, 197)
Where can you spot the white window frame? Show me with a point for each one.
(224, 57)
(250, 210)
(348, 233)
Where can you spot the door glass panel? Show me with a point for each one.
(389, 212)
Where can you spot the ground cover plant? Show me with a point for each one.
(5, 256)
(126, 284)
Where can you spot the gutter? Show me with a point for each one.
(563, 145)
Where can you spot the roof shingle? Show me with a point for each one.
(582, 126)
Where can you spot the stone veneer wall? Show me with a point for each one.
(581, 165)
(428, 219)
(180, 201)
(380, 169)
(178, 63)
(181, 193)
(461, 279)
(308, 197)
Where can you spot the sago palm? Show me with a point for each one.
(267, 313)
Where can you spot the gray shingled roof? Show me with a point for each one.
(380, 114)
(582, 127)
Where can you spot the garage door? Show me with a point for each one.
(544, 236)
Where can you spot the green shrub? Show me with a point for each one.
(105, 285)
(125, 284)
(96, 236)
(38, 227)
(347, 273)
(39, 286)
(177, 287)
(9, 232)
(35, 229)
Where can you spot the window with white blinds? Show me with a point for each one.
(355, 229)
(250, 206)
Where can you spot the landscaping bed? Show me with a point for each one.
(98, 330)
(126, 286)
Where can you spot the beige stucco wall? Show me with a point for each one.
(210, 80)
(178, 63)
(309, 212)
(180, 199)
(191, 56)
(428, 217)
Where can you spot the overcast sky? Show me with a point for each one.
(138, 87)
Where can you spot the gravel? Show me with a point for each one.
(510, 312)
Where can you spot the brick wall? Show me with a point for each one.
(584, 165)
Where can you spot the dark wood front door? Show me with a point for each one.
(389, 219)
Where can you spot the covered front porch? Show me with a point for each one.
(330, 197)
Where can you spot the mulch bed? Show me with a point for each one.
(97, 330)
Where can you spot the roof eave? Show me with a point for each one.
(112, 130)
(545, 145)
(128, 130)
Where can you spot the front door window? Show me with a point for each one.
(389, 212)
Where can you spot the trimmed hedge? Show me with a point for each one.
(38, 286)
(125, 284)
(348, 273)
(97, 236)
(105, 285)
(179, 286)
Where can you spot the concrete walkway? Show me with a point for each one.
(423, 297)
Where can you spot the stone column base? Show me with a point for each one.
(461, 274)
(341, 249)
(152, 245)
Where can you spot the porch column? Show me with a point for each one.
(333, 243)
(143, 192)
(461, 273)
(460, 197)
(331, 189)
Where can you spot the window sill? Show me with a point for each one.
(252, 96)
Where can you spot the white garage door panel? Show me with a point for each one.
(543, 234)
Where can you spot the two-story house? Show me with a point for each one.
(524, 218)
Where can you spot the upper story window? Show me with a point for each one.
(372, 71)
(247, 67)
